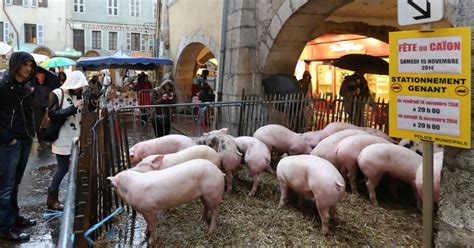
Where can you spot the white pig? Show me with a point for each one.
(163, 161)
(347, 152)
(437, 166)
(162, 145)
(313, 138)
(378, 159)
(282, 140)
(256, 156)
(312, 176)
(327, 147)
(150, 192)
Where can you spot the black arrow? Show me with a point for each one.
(424, 14)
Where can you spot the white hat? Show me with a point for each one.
(75, 80)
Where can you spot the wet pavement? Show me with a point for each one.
(32, 200)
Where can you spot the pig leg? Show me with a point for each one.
(324, 215)
(283, 194)
(228, 181)
(255, 180)
(351, 176)
(151, 222)
(372, 183)
(211, 203)
(205, 208)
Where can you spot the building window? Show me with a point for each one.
(112, 40)
(96, 38)
(25, 3)
(43, 3)
(34, 3)
(30, 33)
(112, 7)
(2, 39)
(79, 6)
(8, 2)
(78, 40)
(18, 2)
(135, 42)
(155, 9)
(135, 8)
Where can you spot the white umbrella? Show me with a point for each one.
(5, 49)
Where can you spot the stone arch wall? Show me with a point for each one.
(44, 51)
(297, 22)
(188, 51)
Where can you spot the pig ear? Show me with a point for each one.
(224, 130)
(155, 164)
(114, 181)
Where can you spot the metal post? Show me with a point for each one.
(427, 194)
(67, 222)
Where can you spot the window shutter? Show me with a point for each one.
(129, 41)
(40, 34)
(142, 42)
(34, 3)
(137, 8)
(6, 32)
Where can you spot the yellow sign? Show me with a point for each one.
(430, 84)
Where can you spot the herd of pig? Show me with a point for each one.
(176, 169)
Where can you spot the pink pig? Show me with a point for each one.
(256, 156)
(282, 139)
(160, 162)
(164, 189)
(348, 150)
(162, 145)
(311, 176)
(437, 166)
(313, 138)
(327, 147)
(378, 159)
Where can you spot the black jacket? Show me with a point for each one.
(40, 96)
(16, 109)
(55, 112)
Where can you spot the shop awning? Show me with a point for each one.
(121, 60)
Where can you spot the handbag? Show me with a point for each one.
(51, 127)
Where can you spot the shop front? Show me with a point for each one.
(319, 54)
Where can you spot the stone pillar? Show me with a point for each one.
(456, 213)
(164, 50)
(240, 70)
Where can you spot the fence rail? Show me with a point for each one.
(107, 135)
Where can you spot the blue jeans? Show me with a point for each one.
(13, 160)
(63, 167)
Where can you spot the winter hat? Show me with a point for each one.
(75, 80)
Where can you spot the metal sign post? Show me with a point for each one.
(427, 194)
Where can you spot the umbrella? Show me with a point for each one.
(51, 79)
(57, 62)
(362, 63)
(39, 57)
(280, 84)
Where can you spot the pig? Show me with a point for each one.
(257, 158)
(228, 151)
(162, 145)
(347, 152)
(378, 159)
(312, 176)
(327, 147)
(150, 192)
(282, 140)
(437, 166)
(160, 162)
(313, 138)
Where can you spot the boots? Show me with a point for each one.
(53, 202)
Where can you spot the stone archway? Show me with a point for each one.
(289, 32)
(191, 49)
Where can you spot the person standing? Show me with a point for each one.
(40, 103)
(94, 85)
(305, 84)
(354, 87)
(62, 77)
(163, 95)
(70, 94)
(16, 132)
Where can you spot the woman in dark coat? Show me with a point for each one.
(40, 103)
